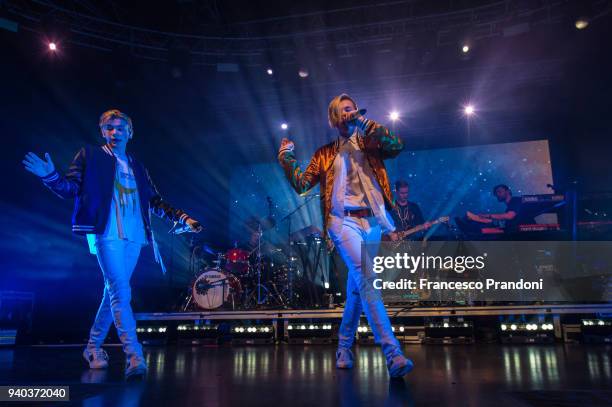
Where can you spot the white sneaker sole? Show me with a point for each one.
(95, 365)
(344, 365)
(136, 372)
(402, 371)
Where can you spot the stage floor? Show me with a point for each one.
(283, 375)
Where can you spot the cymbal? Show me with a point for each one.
(254, 222)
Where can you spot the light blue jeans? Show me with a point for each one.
(360, 293)
(117, 259)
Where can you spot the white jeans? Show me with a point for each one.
(117, 259)
(360, 293)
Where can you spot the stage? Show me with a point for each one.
(483, 375)
(392, 311)
(235, 195)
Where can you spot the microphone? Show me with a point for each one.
(178, 229)
(202, 287)
(354, 116)
(181, 229)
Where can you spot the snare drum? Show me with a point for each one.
(237, 261)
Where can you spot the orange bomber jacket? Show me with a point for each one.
(378, 144)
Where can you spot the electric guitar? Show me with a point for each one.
(405, 233)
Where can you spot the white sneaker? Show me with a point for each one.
(136, 367)
(344, 358)
(97, 358)
(399, 366)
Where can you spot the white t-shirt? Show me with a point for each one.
(355, 186)
(125, 218)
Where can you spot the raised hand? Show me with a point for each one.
(37, 166)
(354, 115)
(286, 145)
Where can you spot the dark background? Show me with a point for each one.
(194, 124)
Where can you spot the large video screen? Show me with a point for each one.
(444, 182)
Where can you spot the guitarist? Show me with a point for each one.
(406, 214)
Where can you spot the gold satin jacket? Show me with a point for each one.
(378, 144)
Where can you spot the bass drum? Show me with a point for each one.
(213, 288)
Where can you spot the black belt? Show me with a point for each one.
(358, 213)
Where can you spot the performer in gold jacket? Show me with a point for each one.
(355, 196)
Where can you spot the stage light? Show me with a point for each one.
(320, 333)
(530, 332)
(303, 73)
(284, 126)
(326, 285)
(581, 23)
(465, 48)
(449, 332)
(468, 110)
(152, 335)
(597, 331)
(394, 115)
(52, 46)
(252, 335)
(192, 334)
(270, 71)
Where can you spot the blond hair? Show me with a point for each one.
(334, 115)
(113, 114)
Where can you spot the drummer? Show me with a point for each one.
(255, 228)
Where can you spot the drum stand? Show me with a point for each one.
(261, 293)
(186, 301)
(259, 266)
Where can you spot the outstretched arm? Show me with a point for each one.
(499, 216)
(163, 209)
(301, 181)
(66, 186)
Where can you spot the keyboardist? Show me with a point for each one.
(511, 218)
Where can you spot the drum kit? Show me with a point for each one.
(256, 274)
(242, 279)
(245, 280)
